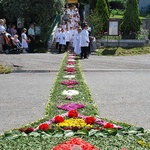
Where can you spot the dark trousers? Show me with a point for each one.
(67, 44)
(31, 45)
(57, 44)
(60, 47)
(84, 51)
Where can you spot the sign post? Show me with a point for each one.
(113, 29)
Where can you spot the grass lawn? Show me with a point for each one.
(4, 70)
(118, 51)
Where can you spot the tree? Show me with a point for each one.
(40, 12)
(131, 21)
(103, 12)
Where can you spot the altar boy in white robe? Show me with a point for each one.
(77, 48)
(84, 42)
(62, 40)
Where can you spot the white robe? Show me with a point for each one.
(67, 36)
(74, 37)
(57, 37)
(62, 38)
(77, 48)
(85, 38)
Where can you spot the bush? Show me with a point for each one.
(131, 20)
(103, 12)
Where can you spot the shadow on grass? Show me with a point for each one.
(109, 51)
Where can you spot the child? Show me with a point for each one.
(16, 41)
(25, 41)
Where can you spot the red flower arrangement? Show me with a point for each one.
(70, 70)
(44, 127)
(28, 130)
(75, 142)
(71, 62)
(72, 114)
(109, 125)
(90, 120)
(59, 119)
(69, 82)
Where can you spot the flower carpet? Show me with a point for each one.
(72, 122)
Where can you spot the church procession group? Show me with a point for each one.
(72, 32)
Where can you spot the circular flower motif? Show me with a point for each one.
(28, 130)
(71, 70)
(90, 120)
(74, 123)
(72, 60)
(69, 76)
(59, 119)
(70, 92)
(44, 127)
(68, 145)
(72, 114)
(70, 66)
(69, 82)
(108, 125)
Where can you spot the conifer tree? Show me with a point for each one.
(131, 21)
(103, 12)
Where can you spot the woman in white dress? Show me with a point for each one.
(24, 40)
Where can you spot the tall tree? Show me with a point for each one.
(131, 19)
(41, 12)
(103, 12)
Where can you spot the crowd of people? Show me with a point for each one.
(73, 32)
(12, 37)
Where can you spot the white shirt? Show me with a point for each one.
(57, 37)
(31, 31)
(62, 38)
(85, 38)
(67, 36)
(2, 29)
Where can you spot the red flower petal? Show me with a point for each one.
(72, 114)
(44, 127)
(59, 119)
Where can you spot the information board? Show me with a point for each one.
(113, 27)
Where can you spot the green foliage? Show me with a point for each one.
(123, 51)
(131, 20)
(40, 12)
(96, 22)
(4, 70)
(103, 12)
(116, 12)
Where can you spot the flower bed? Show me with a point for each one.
(49, 133)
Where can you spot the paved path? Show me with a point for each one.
(120, 86)
(24, 94)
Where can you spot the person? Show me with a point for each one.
(57, 38)
(84, 42)
(77, 48)
(67, 35)
(13, 30)
(16, 41)
(9, 29)
(31, 35)
(24, 41)
(62, 40)
(2, 33)
(19, 29)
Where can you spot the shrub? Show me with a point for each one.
(131, 21)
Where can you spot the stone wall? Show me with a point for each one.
(121, 43)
